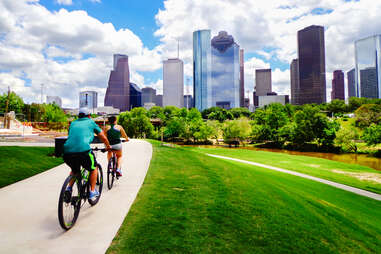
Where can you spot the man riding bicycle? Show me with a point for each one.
(77, 151)
(114, 132)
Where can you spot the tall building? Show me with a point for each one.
(368, 68)
(173, 83)
(118, 90)
(135, 96)
(294, 73)
(54, 99)
(351, 77)
(241, 78)
(202, 89)
(159, 100)
(263, 81)
(88, 99)
(338, 85)
(225, 71)
(148, 95)
(311, 57)
(188, 101)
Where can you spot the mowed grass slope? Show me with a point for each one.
(18, 163)
(350, 174)
(192, 203)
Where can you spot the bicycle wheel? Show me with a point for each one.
(110, 172)
(98, 185)
(69, 204)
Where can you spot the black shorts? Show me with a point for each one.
(84, 159)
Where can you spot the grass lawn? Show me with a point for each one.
(193, 203)
(350, 174)
(18, 163)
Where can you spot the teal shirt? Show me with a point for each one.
(81, 134)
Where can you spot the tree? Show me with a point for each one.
(337, 106)
(156, 112)
(368, 114)
(240, 112)
(346, 138)
(136, 123)
(372, 134)
(53, 113)
(15, 104)
(175, 128)
(236, 131)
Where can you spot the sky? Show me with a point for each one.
(67, 45)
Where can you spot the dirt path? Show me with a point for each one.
(29, 222)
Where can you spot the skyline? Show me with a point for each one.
(76, 41)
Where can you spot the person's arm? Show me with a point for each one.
(124, 135)
(104, 139)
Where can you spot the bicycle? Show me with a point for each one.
(111, 169)
(69, 204)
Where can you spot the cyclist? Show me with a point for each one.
(114, 132)
(77, 151)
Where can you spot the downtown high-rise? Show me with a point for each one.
(226, 87)
(311, 65)
(338, 85)
(294, 76)
(351, 78)
(118, 90)
(263, 82)
(173, 83)
(368, 68)
(202, 88)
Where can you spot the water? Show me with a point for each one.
(361, 159)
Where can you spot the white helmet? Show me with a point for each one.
(84, 111)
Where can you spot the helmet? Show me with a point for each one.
(83, 112)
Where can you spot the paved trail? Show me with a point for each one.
(29, 222)
(337, 185)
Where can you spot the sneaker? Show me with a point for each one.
(67, 194)
(93, 195)
(118, 172)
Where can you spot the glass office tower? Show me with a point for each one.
(202, 70)
(368, 69)
(225, 71)
(311, 59)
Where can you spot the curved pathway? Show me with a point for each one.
(334, 184)
(29, 223)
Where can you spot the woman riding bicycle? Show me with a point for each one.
(114, 132)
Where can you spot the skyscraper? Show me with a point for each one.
(159, 100)
(188, 101)
(88, 99)
(311, 57)
(294, 73)
(202, 89)
(135, 96)
(225, 71)
(118, 90)
(242, 78)
(338, 85)
(262, 82)
(173, 83)
(368, 67)
(351, 83)
(148, 95)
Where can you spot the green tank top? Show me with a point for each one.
(113, 135)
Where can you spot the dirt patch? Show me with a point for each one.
(373, 177)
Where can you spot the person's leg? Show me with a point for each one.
(74, 163)
(119, 158)
(93, 178)
(91, 166)
(109, 154)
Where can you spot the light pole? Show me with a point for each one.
(42, 87)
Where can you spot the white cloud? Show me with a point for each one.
(269, 28)
(67, 51)
(65, 2)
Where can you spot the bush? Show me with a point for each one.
(372, 134)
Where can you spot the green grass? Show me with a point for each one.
(192, 203)
(340, 172)
(18, 163)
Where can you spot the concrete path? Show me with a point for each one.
(334, 184)
(29, 222)
(40, 144)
